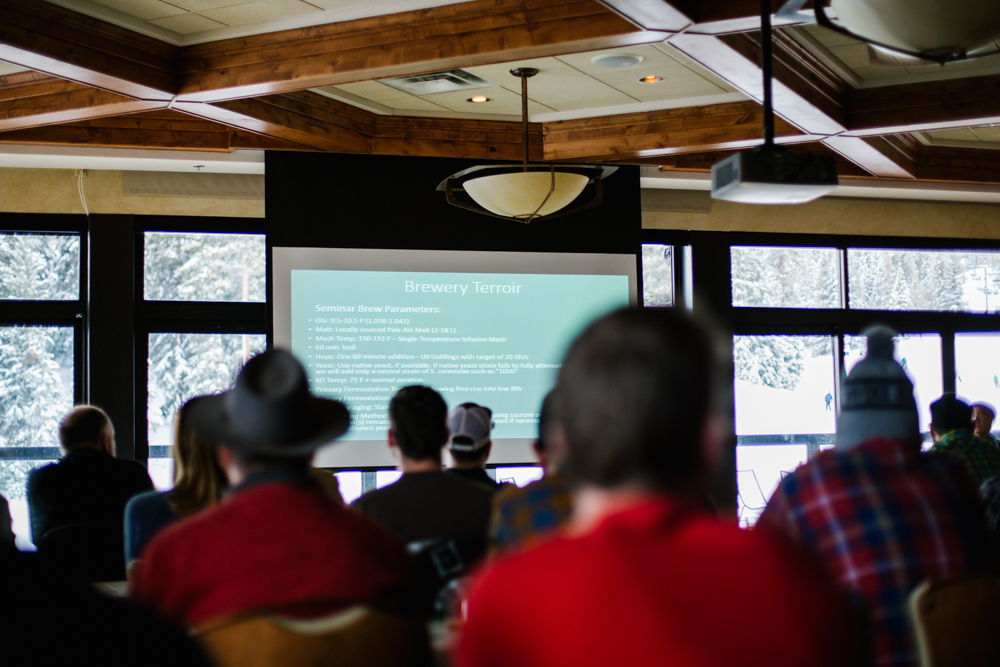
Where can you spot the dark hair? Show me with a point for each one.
(634, 391)
(948, 413)
(84, 423)
(199, 481)
(547, 417)
(418, 418)
(990, 491)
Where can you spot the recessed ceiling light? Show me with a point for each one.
(651, 79)
(616, 60)
(478, 99)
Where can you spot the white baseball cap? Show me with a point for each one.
(470, 427)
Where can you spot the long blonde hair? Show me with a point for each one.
(199, 481)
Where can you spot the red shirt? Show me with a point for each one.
(659, 584)
(269, 545)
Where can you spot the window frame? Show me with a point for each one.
(62, 313)
(197, 317)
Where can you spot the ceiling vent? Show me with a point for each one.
(438, 82)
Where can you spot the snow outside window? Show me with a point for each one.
(40, 267)
(977, 369)
(924, 280)
(182, 366)
(785, 411)
(36, 390)
(920, 357)
(657, 275)
(204, 267)
(785, 277)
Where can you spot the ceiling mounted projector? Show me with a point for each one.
(771, 174)
(934, 30)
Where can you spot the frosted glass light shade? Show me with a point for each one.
(922, 26)
(519, 194)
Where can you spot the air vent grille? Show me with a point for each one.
(437, 82)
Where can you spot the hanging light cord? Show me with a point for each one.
(79, 188)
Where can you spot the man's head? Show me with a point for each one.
(87, 427)
(948, 414)
(469, 443)
(550, 447)
(417, 423)
(983, 415)
(636, 393)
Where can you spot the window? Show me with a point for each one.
(785, 277)
(924, 280)
(36, 390)
(40, 267)
(920, 357)
(977, 368)
(203, 267)
(181, 366)
(657, 275)
(785, 411)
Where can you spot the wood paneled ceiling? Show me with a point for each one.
(71, 78)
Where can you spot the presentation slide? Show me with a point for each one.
(489, 328)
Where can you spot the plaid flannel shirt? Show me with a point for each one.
(982, 458)
(884, 518)
(522, 517)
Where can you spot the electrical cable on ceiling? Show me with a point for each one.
(79, 188)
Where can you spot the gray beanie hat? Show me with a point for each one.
(877, 401)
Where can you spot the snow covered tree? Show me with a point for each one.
(657, 275)
(772, 361)
(204, 267)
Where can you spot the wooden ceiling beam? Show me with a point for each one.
(32, 99)
(649, 134)
(440, 38)
(66, 44)
(446, 137)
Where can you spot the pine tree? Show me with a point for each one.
(657, 275)
(772, 361)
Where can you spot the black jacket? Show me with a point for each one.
(77, 507)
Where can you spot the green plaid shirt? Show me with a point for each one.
(982, 458)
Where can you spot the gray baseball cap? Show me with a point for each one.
(470, 426)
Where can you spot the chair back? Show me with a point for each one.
(440, 565)
(956, 621)
(355, 637)
(92, 551)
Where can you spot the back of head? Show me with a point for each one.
(199, 480)
(470, 425)
(83, 426)
(878, 397)
(949, 413)
(417, 417)
(635, 391)
(548, 419)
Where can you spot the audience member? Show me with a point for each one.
(469, 444)
(77, 504)
(990, 492)
(199, 482)
(277, 541)
(53, 620)
(521, 517)
(427, 503)
(983, 415)
(951, 430)
(883, 516)
(648, 578)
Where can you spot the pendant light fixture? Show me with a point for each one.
(940, 31)
(524, 192)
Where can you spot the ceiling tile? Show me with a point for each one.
(187, 24)
(372, 90)
(143, 9)
(875, 72)
(502, 101)
(8, 68)
(829, 38)
(694, 67)
(411, 103)
(675, 84)
(202, 5)
(651, 57)
(576, 93)
(259, 12)
(988, 132)
(958, 134)
(549, 70)
(852, 55)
